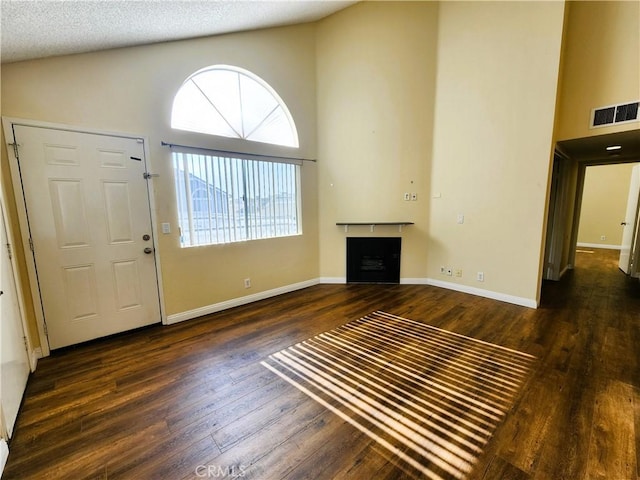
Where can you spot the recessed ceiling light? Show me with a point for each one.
(613, 147)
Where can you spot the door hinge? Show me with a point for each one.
(147, 175)
(9, 253)
(46, 330)
(31, 244)
(15, 146)
(26, 345)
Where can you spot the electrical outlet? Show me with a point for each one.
(407, 196)
(443, 270)
(480, 277)
(603, 237)
(460, 218)
(414, 197)
(449, 272)
(458, 272)
(247, 283)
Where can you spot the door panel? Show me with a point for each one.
(117, 207)
(82, 292)
(69, 213)
(88, 211)
(127, 284)
(629, 223)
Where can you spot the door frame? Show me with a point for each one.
(556, 216)
(20, 324)
(31, 354)
(577, 212)
(8, 124)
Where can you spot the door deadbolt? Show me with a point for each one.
(146, 237)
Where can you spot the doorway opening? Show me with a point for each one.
(571, 161)
(609, 212)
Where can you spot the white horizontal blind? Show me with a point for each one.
(222, 199)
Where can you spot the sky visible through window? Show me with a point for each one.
(225, 199)
(232, 102)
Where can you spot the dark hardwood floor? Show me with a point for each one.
(194, 401)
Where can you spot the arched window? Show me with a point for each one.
(232, 102)
(225, 197)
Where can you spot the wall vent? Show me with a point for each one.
(612, 114)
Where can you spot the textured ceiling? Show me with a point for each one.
(43, 28)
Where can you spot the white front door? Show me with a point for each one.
(630, 225)
(89, 217)
(14, 360)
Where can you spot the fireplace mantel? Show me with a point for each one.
(372, 225)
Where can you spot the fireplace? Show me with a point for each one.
(373, 259)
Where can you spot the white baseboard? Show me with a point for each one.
(4, 455)
(524, 302)
(599, 245)
(414, 281)
(503, 297)
(236, 302)
(333, 279)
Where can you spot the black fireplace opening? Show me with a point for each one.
(373, 259)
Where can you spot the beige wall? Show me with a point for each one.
(376, 83)
(131, 90)
(498, 67)
(601, 64)
(604, 204)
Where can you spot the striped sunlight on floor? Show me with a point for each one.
(429, 396)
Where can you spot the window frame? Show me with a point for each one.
(182, 183)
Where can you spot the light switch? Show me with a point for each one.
(166, 227)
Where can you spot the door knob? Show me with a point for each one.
(148, 250)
